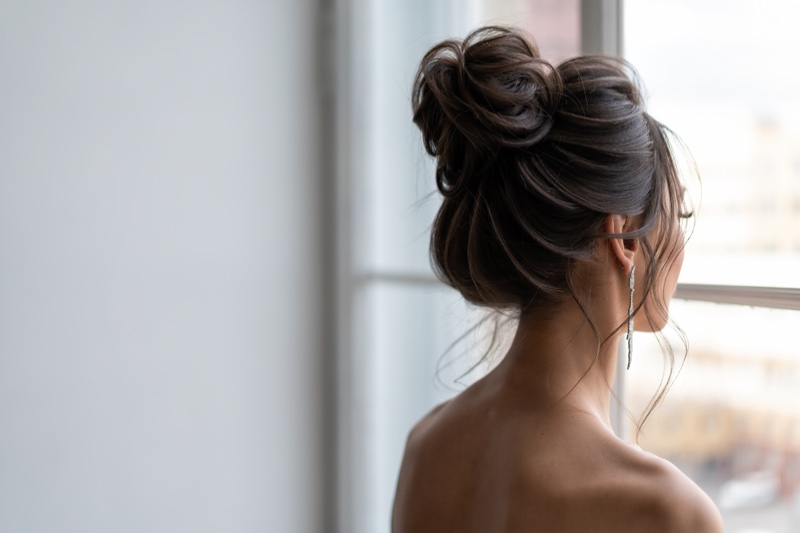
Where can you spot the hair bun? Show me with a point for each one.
(493, 87)
(490, 91)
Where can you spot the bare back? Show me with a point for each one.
(485, 463)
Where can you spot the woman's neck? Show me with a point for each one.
(559, 360)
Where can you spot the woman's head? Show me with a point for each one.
(531, 160)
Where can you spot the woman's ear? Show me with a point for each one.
(623, 250)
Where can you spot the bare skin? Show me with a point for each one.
(530, 447)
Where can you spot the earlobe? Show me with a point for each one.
(631, 246)
(624, 250)
(625, 256)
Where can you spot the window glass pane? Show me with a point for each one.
(725, 77)
(732, 419)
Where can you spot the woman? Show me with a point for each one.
(562, 205)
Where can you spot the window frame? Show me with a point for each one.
(343, 36)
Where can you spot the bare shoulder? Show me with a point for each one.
(670, 501)
(406, 508)
(592, 481)
(424, 424)
(418, 442)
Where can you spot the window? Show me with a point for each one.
(725, 77)
(722, 76)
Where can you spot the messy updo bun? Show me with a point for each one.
(530, 159)
(474, 98)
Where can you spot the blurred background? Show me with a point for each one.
(216, 307)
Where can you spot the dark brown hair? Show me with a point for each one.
(530, 159)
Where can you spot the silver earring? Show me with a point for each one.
(630, 319)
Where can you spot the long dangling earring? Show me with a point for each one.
(630, 319)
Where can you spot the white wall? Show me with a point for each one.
(159, 252)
